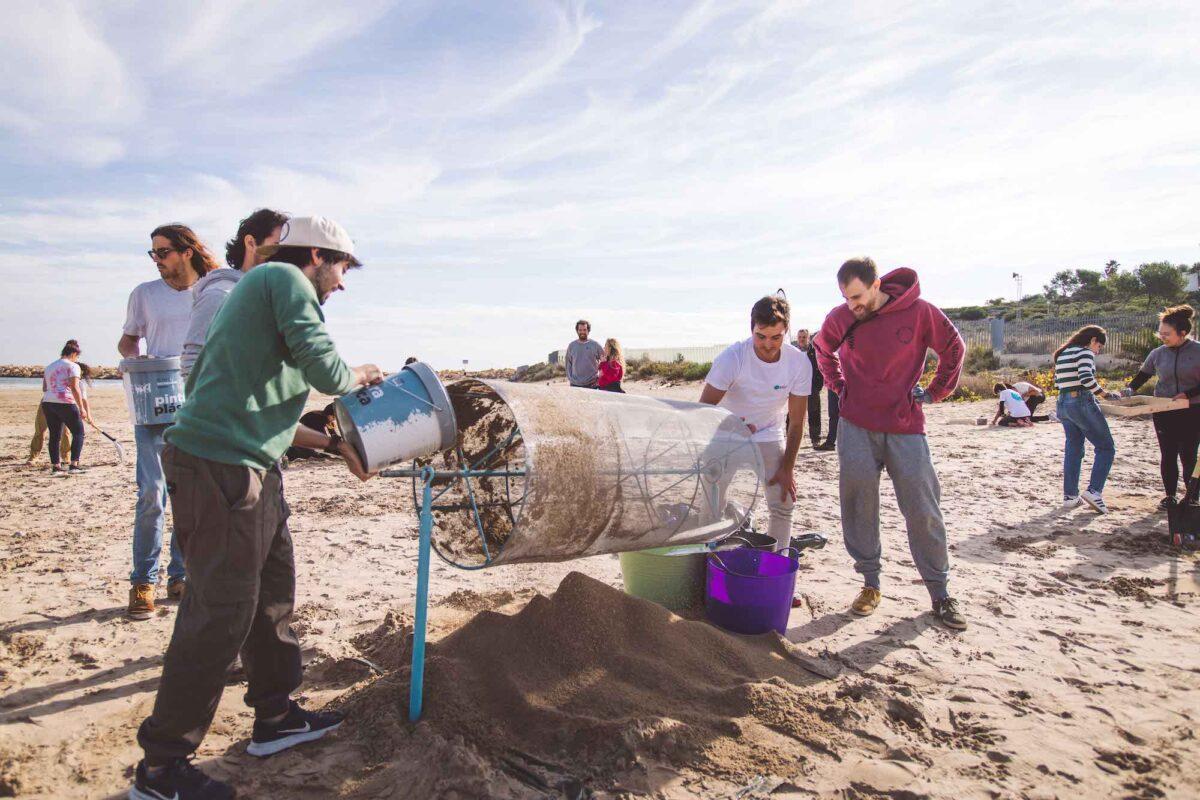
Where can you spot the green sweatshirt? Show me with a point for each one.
(266, 348)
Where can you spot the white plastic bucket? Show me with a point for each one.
(407, 416)
(153, 389)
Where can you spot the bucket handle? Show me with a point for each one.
(732, 538)
(432, 405)
(717, 558)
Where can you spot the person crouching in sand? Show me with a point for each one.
(871, 351)
(262, 354)
(1011, 412)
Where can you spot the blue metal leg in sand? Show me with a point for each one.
(417, 684)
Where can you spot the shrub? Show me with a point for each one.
(980, 358)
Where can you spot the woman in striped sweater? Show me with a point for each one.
(1081, 417)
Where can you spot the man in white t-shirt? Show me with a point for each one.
(765, 380)
(158, 312)
(1012, 410)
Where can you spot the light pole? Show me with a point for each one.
(1020, 294)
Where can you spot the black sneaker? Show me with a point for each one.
(297, 727)
(946, 610)
(1167, 503)
(826, 447)
(178, 781)
(75, 469)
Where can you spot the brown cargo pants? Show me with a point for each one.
(241, 587)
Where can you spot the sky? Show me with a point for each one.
(507, 168)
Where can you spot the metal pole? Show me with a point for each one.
(417, 684)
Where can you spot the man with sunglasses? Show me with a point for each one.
(158, 312)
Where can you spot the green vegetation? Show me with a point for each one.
(1089, 292)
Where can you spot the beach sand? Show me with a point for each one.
(1077, 678)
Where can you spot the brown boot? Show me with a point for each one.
(867, 601)
(141, 601)
(176, 588)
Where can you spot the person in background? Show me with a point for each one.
(39, 420)
(871, 350)
(265, 352)
(410, 360)
(242, 254)
(804, 345)
(1032, 395)
(65, 405)
(612, 368)
(764, 380)
(1012, 411)
(1176, 363)
(323, 421)
(1081, 417)
(583, 357)
(158, 312)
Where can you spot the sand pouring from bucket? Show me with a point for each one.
(539, 473)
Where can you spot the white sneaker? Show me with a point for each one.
(1094, 500)
(1053, 417)
(1071, 502)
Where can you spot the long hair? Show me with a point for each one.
(182, 238)
(612, 350)
(260, 225)
(1082, 338)
(86, 373)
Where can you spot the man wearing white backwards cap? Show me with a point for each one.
(265, 349)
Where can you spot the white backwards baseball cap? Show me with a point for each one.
(314, 232)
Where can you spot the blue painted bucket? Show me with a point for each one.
(153, 389)
(407, 416)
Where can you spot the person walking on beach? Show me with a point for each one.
(1177, 365)
(583, 357)
(242, 254)
(763, 380)
(612, 368)
(804, 345)
(871, 351)
(1081, 417)
(264, 352)
(65, 405)
(158, 312)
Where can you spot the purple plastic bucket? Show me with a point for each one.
(750, 591)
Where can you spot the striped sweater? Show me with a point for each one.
(1075, 368)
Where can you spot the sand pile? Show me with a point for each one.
(589, 684)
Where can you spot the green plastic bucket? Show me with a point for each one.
(670, 576)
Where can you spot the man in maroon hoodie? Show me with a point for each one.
(871, 352)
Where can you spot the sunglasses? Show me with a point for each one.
(159, 253)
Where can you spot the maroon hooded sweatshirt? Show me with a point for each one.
(873, 365)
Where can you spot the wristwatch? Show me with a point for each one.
(334, 440)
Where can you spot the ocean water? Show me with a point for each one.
(36, 383)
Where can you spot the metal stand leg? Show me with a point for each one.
(417, 684)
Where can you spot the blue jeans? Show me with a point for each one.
(1081, 419)
(151, 509)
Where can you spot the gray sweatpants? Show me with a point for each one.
(862, 456)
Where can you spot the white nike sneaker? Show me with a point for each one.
(297, 727)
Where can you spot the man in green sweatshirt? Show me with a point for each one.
(266, 348)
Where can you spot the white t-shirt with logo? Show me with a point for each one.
(159, 314)
(757, 391)
(58, 381)
(1013, 403)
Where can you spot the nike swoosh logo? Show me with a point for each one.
(307, 727)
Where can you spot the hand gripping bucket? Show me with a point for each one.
(750, 591)
(407, 416)
(153, 389)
